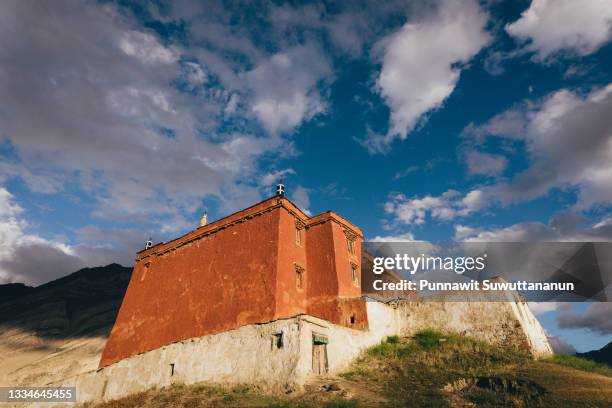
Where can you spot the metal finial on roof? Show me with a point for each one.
(280, 189)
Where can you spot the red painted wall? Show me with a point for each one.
(213, 284)
(346, 286)
(235, 271)
(290, 300)
(321, 262)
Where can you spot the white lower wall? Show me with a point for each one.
(248, 355)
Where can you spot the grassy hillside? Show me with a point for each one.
(430, 370)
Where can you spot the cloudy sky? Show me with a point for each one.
(434, 120)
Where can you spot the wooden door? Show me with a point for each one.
(319, 358)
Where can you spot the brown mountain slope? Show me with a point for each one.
(59, 329)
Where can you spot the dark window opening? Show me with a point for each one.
(352, 319)
(172, 370)
(277, 340)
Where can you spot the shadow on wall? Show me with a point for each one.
(84, 303)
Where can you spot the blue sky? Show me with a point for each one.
(437, 120)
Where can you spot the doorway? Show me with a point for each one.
(319, 354)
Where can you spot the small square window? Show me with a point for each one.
(277, 340)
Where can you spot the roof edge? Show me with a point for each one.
(260, 207)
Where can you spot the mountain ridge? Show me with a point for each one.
(58, 329)
(603, 355)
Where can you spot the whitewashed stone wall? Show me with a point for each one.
(248, 355)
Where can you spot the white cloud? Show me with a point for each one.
(301, 196)
(551, 26)
(8, 207)
(568, 140)
(29, 258)
(274, 177)
(406, 172)
(606, 222)
(285, 88)
(146, 48)
(561, 346)
(539, 308)
(406, 237)
(10, 227)
(232, 104)
(445, 207)
(96, 107)
(525, 232)
(488, 164)
(596, 318)
(196, 76)
(419, 64)
(348, 29)
(510, 124)
(563, 227)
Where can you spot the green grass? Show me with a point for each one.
(381, 349)
(423, 371)
(581, 364)
(413, 372)
(429, 339)
(392, 340)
